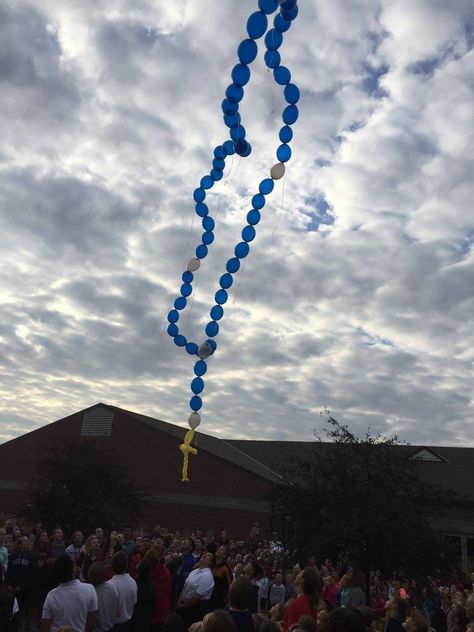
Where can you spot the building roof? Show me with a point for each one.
(454, 469)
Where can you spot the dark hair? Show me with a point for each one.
(218, 621)
(63, 569)
(270, 626)
(144, 567)
(345, 619)
(174, 623)
(97, 573)
(307, 623)
(401, 604)
(312, 585)
(119, 562)
(241, 593)
(368, 614)
(211, 547)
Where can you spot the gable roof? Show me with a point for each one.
(454, 469)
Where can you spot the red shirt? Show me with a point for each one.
(295, 610)
(163, 582)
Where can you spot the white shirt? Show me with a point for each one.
(127, 596)
(199, 582)
(69, 604)
(108, 608)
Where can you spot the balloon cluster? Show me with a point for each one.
(257, 25)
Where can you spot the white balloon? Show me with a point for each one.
(194, 420)
(193, 264)
(204, 351)
(277, 171)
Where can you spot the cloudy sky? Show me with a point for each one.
(358, 293)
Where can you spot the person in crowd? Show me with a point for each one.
(218, 621)
(195, 597)
(396, 609)
(240, 598)
(111, 547)
(198, 549)
(72, 603)
(277, 591)
(8, 608)
(330, 589)
(20, 575)
(127, 591)
(56, 544)
(91, 553)
(416, 622)
(263, 584)
(308, 587)
(128, 542)
(75, 548)
(3, 554)
(187, 563)
(174, 623)
(222, 579)
(346, 619)
(107, 598)
(253, 571)
(143, 610)
(356, 595)
(162, 581)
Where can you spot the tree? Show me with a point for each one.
(362, 498)
(83, 486)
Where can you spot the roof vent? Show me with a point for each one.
(97, 423)
(427, 455)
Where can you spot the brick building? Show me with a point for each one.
(230, 479)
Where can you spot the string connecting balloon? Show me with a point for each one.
(257, 25)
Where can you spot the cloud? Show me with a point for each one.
(357, 293)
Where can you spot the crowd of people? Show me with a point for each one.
(139, 580)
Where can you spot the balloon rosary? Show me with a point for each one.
(257, 25)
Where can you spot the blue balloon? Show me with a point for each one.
(212, 329)
(200, 367)
(229, 147)
(248, 233)
(206, 182)
(201, 251)
(187, 276)
(232, 265)
(180, 303)
(195, 403)
(234, 93)
(201, 209)
(219, 153)
(197, 385)
(273, 39)
(267, 6)
(221, 297)
(258, 201)
(217, 312)
(247, 152)
(228, 107)
(291, 14)
(207, 237)
(286, 5)
(192, 348)
(272, 58)
(218, 164)
(284, 153)
(282, 75)
(290, 114)
(186, 289)
(216, 174)
(173, 330)
(241, 146)
(231, 120)
(226, 281)
(253, 217)
(173, 316)
(240, 74)
(241, 250)
(266, 186)
(281, 24)
(247, 51)
(292, 93)
(208, 223)
(237, 132)
(286, 134)
(257, 24)
(199, 195)
(180, 341)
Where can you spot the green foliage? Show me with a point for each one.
(364, 499)
(83, 486)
